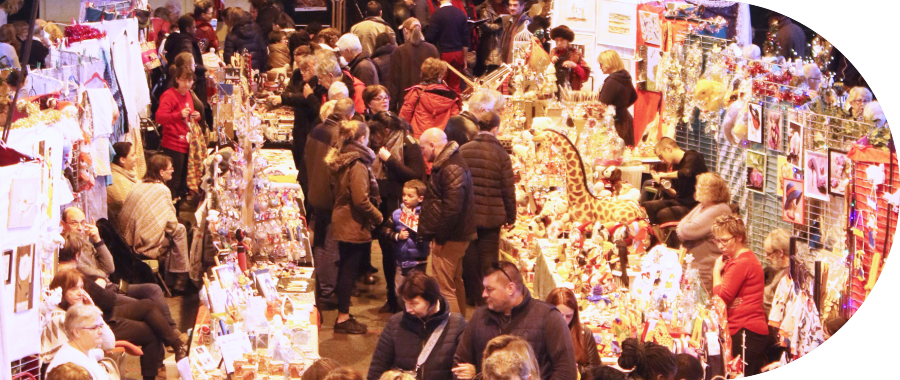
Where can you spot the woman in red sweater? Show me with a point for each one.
(738, 280)
(175, 107)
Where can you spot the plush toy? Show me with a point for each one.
(734, 124)
(710, 95)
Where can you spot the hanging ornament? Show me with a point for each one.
(875, 175)
(893, 200)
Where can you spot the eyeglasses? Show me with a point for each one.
(77, 223)
(381, 98)
(93, 328)
(496, 265)
(723, 241)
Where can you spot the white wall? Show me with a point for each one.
(52, 9)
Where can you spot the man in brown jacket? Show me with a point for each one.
(495, 201)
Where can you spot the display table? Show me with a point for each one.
(546, 278)
(283, 346)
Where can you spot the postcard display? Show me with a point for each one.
(261, 316)
(565, 234)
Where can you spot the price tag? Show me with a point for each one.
(712, 344)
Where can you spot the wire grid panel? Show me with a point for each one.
(885, 225)
(30, 364)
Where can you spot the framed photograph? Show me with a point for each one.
(795, 143)
(787, 171)
(265, 285)
(24, 296)
(616, 23)
(580, 16)
(773, 122)
(815, 175)
(7, 266)
(756, 171)
(793, 202)
(225, 275)
(838, 172)
(754, 124)
(650, 29)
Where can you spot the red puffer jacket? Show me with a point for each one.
(429, 106)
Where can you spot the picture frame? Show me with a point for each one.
(756, 171)
(265, 285)
(795, 143)
(754, 123)
(815, 175)
(787, 171)
(7, 265)
(774, 119)
(793, 203)
(838, 172)
(225, 275)
(24, 296)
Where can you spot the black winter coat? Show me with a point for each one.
(406, 69)
(449, 200)
(536, 321)
(246, 35)
(362, 68)
(410, 167)
(306, 109)
(320, 141)
(618, 91)
(381, 57)
(405, 335)
(462, 128)
(492, 176)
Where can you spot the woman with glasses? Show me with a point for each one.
(399, 160)
(152, 234)
(695, 229)
(84, 325)
(138, 322)
(739, 281)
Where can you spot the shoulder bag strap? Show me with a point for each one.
(432, 341)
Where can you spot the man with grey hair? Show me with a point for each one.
(328, 71)
(321, 200)
(463, 127)
(358, 61)
(446, 217)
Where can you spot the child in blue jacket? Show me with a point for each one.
(402, 226)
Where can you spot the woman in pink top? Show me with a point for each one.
(738, 280)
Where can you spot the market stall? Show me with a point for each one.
(579, 224)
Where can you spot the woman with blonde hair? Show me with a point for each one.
(695, 229)
(508, 355)
(355, 213)
(618, 91)
(431, 103)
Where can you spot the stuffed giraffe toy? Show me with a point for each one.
(584, 206)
